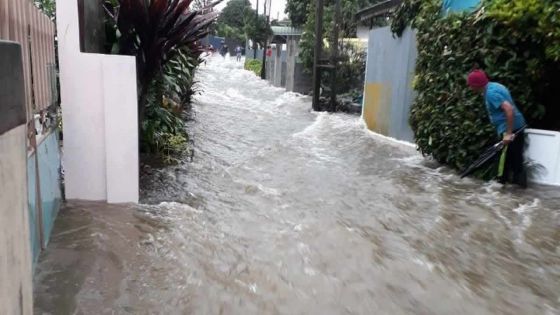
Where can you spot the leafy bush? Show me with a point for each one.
(254, 65)
(449, 121)
(48, 7)
(178, 75)
(351, 68)
(163, 131)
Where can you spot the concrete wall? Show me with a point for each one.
(15, 252)
(99, 109)
(296, 79)
(285, 69)
(388, 93)
(274, 66)
(249, 53)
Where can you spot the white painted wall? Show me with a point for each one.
(15, 249)
(544, 149)
(121, 129)
(99, 111)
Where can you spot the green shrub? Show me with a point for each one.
(449, 121)
(163, 132)
(254, 65)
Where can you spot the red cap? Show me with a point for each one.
(477, 79)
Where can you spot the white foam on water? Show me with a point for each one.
(525, 211)
(386, 139)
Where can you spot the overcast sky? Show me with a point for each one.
(278, 7)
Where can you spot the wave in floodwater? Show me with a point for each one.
(287, 211)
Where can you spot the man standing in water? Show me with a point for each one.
(508, 120)
(238, 52)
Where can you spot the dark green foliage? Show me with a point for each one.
(348, 28)
(234, 13)
(449, 121)
(48, 7)
(232, 20)
(351, 68)
(159, 120)
(257, 29)
(163, 131)
(178, 77)
(297, 11)
(238, 21)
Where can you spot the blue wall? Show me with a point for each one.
(450, 6)
(49, 176)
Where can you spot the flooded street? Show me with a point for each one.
(286, 211)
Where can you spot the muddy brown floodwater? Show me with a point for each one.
(285, 211)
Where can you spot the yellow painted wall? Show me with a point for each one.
(377, 110)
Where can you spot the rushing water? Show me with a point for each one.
(286, 211)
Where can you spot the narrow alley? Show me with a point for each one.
(287, 211)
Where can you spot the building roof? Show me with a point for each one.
(286, 31)
(377, 10)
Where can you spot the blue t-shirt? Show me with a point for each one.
(496, 95)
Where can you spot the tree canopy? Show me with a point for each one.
(297, 10)
(239, 21)
(233, 15)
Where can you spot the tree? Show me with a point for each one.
(349, 26)
(232, 19)
(257, 30)
(233, 14)
(239, 21)
(298, 10)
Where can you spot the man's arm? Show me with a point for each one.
(508, 111)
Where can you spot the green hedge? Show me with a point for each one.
(449, 121)
(254, 65)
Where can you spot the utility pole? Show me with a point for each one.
(263, 68)
(255, 47)
(317, 57)
(334, 54)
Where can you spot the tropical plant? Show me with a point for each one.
(154, 31)
(178, 76)
(162, 120)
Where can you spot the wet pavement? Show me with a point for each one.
(286, 211)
